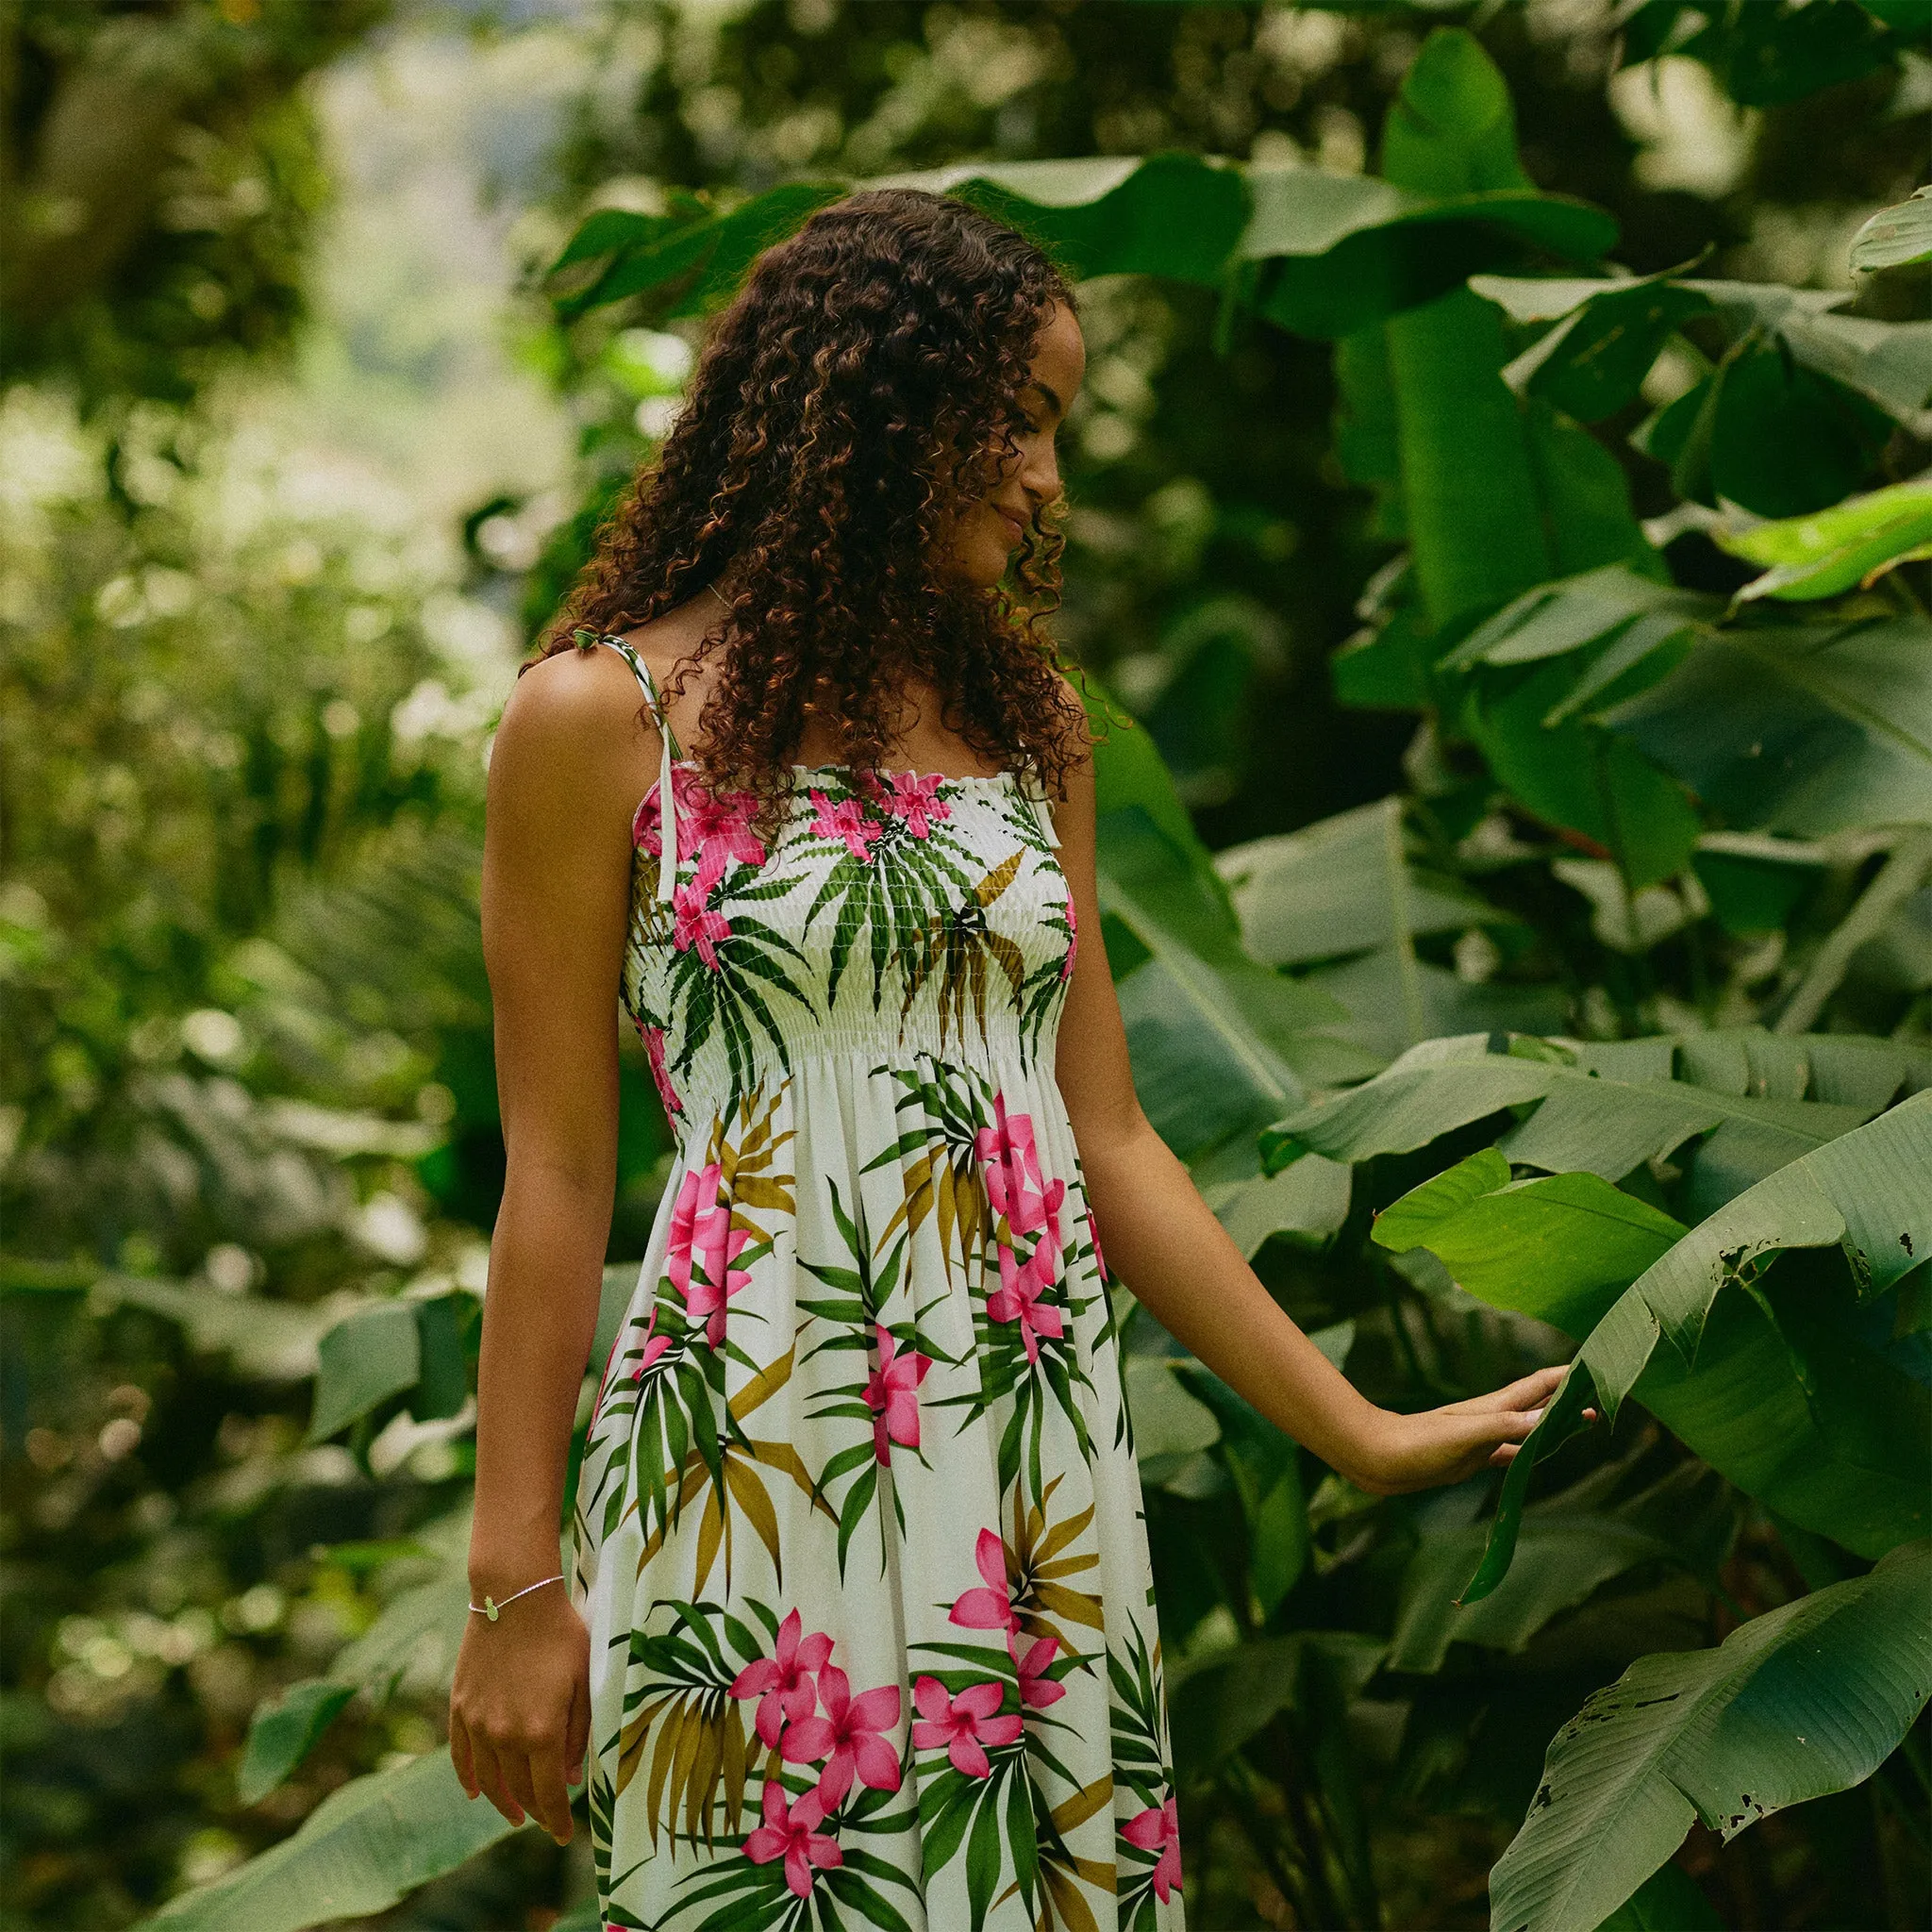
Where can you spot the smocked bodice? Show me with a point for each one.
(887, 917)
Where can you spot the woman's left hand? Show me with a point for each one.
(1448, 1444)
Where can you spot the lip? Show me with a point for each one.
(1013, 524)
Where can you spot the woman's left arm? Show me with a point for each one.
(1167, 1246)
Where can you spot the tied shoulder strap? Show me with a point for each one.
(667, 797)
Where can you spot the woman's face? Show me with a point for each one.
(991, 529)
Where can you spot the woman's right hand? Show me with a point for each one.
(520, 1708)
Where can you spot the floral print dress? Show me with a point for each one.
(858, 1531)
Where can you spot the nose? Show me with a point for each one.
(1040, 477)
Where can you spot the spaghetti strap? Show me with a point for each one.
(667, 800)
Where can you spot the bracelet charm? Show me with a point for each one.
(490, 1607)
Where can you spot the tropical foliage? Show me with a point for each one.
(1592, 1025)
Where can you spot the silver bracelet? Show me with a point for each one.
(490, 1607)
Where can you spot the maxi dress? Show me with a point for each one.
(857, 1534)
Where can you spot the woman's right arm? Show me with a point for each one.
(556, 900)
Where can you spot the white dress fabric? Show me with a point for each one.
(858, 1531)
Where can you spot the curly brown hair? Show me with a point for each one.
(858, 394)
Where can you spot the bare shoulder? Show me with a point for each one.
(574, 721)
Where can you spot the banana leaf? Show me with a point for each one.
(1801, 1702)
(359, 1852)
(1841, 1439)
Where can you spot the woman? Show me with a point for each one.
(858, 1627)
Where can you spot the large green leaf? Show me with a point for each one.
(1794, 1396)
(1574, 1541)
(1167, 1420)
(689, 260)
(1573, 773)
(1213, 1034)
(1608, 1107)
(1606, 333)
(1606, 337)
(1831, 552)
(1889, 364)
(1635, 610)
(1802, 1399)
(1177, 215)
(1308, 1200)
(1454, 195)
(1343, 885)
(1552, 501)
(1338, 251)
(1131, 783)
(1806, 1700)
(283, 1733)
(1561, 1248)
(1566, 1555)
(1346, 886)
(1218, 1040)
(1393, 1001)
(1864, 1193)
(1897, 237)
(1808, 731)
(359, 1852)
(1766, 431)
(372, 1354)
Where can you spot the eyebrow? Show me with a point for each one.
(1060, 408)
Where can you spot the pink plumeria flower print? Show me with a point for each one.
(722, 822)
(1014, 1183)
(1035, 1687)
(891, 1394)
(849, 1738)
(1018, 1296)
(1158, 1830)
(646, 826)
(963, 1725)
(991, 1606)
(914, 799)
(791, 1833)
(1093, 1236)
(703, 1247)
(782, 1682)
(722, 826)
(847, 821)
(696, 924)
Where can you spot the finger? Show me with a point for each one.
(461, 1755)
(552, 1799)
(1526, 1391)
(490, 1776)
(577, 1741)
(1532, 1391)
(514, 1760)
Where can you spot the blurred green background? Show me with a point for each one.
(298, 449)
